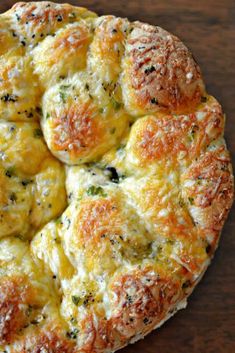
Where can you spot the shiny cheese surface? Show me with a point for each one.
(115, 179)
(32, 182)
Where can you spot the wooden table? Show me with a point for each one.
(208, 28)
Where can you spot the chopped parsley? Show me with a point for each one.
(63, 96)
(191, 200)
(9, 172)
(76, 299)
(87, 300)
(117, 105)
(72, 334)
(37, 133)
(112, 131)
(72, 15)
(95, 190)
(13, 197)
(194, 129)
(73, 320)
(62, 93)
(181, 202)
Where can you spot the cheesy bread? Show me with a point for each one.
(115, 179)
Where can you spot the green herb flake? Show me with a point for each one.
(10, 172)
(112, 131)
(117, 105)
(37, 133)
(191, 200)
(64, 87)
(75, 299)
(72, 15)
(63, 96)
(13, 197)
(62, 93)
(72, 334)
(194, 129)
(96, 190)
(58, 221)
(73, 320)
(181, 202)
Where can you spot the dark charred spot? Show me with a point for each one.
(113, 175)
(9, 98)
(203, 99)
(154, 101)
(149, 70)
(13, 197)
(26, 182)
(186, 284)
(59, 18)
(146, 321)
(208, 249)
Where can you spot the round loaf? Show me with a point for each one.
(115, 179)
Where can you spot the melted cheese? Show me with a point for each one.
(27, 173)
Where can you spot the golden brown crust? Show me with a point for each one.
(160, 72)
(95, 213)
(14, 295)
(47, 342)
(209, 188)
(80, 127)
(34, 21)
(19, 302)
(175, 139)
(148, 177)
(141, 300)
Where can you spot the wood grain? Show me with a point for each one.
(208, 29)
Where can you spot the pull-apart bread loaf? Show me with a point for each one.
(115, 179)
